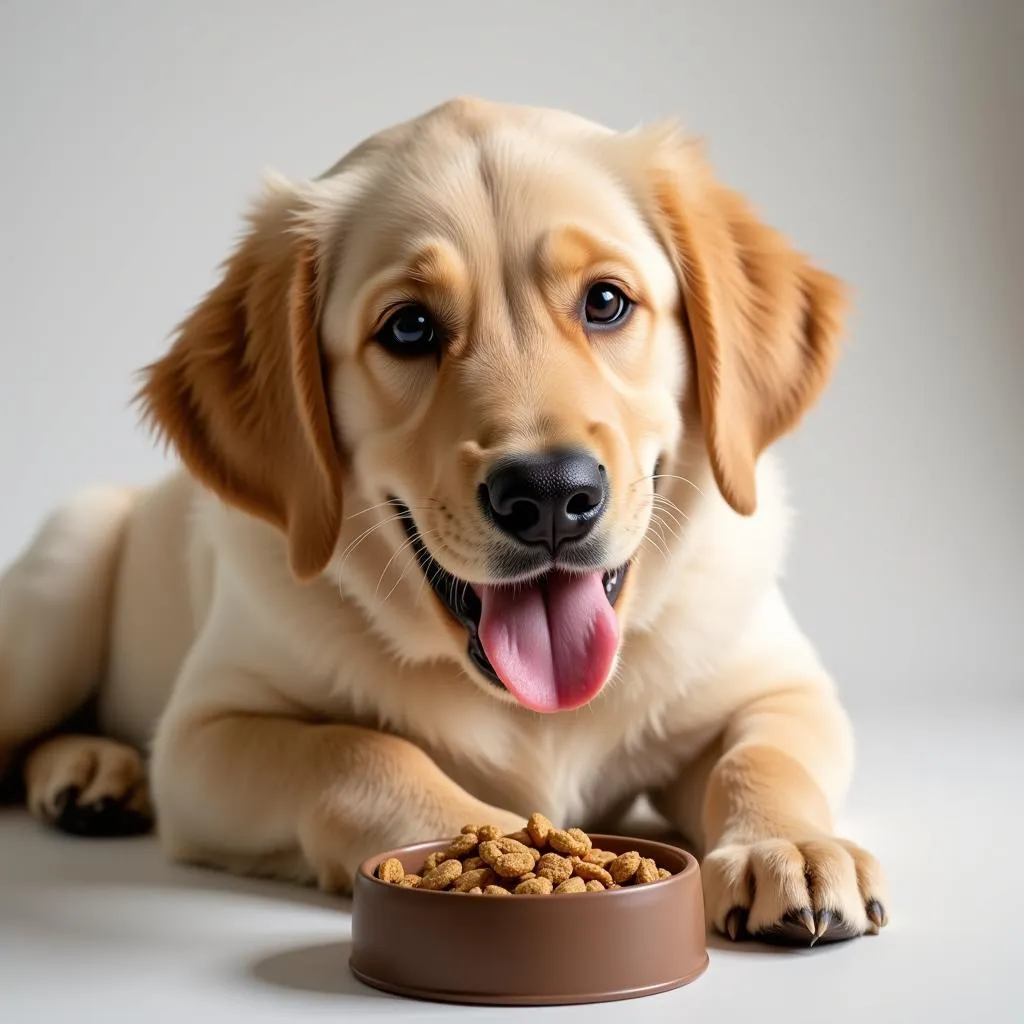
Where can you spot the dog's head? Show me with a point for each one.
(493, 330)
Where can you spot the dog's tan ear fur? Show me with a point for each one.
(240, 394)
(764, 322)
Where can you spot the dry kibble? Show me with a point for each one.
(481, 860)
(624, 867)
(522, 836)
(442, 876)
(539, 828)
(473, 879)
(574, 884)
(534, 887)
(461, 845)
(593, 872)
(647, 872)
(508, 857)
(555, 867)
(391, 871)
(573, 841)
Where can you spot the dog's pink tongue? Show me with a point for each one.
(552, 646)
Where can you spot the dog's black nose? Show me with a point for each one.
(547, 498)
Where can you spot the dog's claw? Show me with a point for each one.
(795, 919)
(824, 919)
(735, 923)
(67, 796)
(877, 915)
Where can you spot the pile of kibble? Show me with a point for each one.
(535, 861)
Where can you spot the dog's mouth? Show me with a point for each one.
(550, 640)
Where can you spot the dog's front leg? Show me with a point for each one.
(761, 803)
(276, 796)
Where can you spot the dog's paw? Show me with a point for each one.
(88, 786)
(335, 845)
(795, 893)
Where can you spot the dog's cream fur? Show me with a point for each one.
(257, 620)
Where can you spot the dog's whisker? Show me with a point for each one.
(419, 589)
(672, 511)
(424, 579)
(676, 531)
(435, 575)
(664, 551)
(649, 538)
(384, 504)
(666, 476)
(657, 541)
(677, 525)
(662, 530)
(370, 529)
(369, 508)
(659, 513)
(346, 554)
(663, 501)
(681, 479)
(409, 562)
(408, 544)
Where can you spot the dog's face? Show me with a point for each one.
(487, 331)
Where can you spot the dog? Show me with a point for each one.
(477, 516)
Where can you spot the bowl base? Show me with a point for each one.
(487, 999)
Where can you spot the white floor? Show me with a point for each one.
(105, 931)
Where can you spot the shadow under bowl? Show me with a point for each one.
(530, 950)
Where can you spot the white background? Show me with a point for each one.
(886, 137)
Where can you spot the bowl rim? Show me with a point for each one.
(692, 868)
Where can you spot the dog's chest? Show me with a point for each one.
(576, 769)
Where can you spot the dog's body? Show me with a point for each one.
(307, 698)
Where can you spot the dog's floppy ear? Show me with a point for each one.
(240, 394)
(764, 322)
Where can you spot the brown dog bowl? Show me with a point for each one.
(530, 950)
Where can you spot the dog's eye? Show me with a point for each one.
(605, 305)
(410, 331)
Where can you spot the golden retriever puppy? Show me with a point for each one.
(476, 519)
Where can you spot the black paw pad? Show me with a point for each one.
(103, 818)
(802, 928)
(795, 929)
